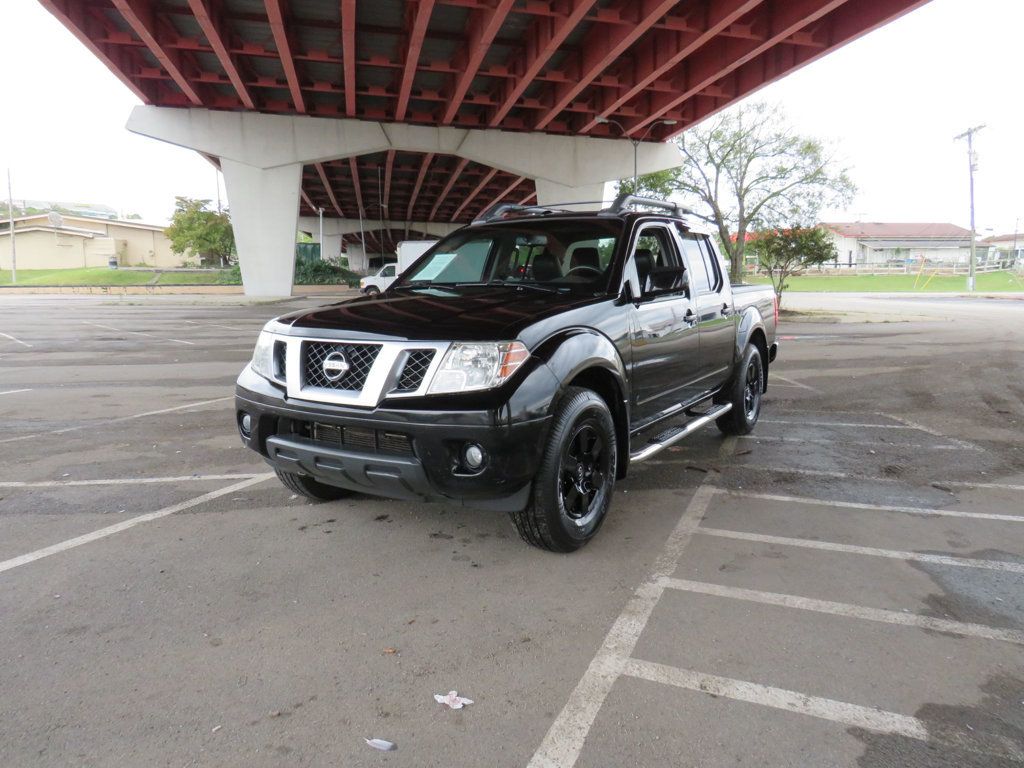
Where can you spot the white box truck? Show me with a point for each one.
(408, 251)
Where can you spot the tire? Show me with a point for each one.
(372, 290)
(576, 480)
(310, 488)
(744, 392)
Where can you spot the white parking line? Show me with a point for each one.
(792, 383)
(116, 420)
(831, 546)
(846, 609)
(139, 333)
(564, 740)
(14, 391)
(835, 424)
(928, 430)
(926, 511)
(16, 341)
(110, 530)
(853, 715)
(854, 476)
(120, 481)
(823, 441)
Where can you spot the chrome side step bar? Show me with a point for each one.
(671, 437)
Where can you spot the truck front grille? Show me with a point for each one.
(359, 358)
(414, 370)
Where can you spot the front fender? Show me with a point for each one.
(572, 351)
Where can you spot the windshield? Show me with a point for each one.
(552, 254)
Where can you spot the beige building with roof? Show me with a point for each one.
(894, 244)
(54, 241)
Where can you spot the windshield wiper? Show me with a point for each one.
(417, 284)
(509, 284)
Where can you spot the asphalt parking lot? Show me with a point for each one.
(845, 587)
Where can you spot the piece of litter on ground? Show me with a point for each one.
(216, 728)
(452, 700)
(390, 651)
(381, 744)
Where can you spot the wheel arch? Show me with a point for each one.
(583, 357)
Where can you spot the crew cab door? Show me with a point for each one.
(712, 298)
(663, 331)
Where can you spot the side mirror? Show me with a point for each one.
(670, 278)
(626, 294)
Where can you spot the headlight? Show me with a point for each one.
(263, 355)
(471, 366)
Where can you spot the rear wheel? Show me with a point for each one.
(745, 395)
(573, 488)
(304, 485)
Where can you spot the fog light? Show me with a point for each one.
(473, 456)
(245, 424)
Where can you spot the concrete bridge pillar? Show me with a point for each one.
(262, 157)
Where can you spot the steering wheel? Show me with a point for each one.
(587, 267)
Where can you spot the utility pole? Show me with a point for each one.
(972, 164)
(10, 224)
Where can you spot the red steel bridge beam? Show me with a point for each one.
(483, 27)
(209, 21)
(140, 17)
(275, 15)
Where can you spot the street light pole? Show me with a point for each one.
(321, 212)
(972, 165)
(10, 224)
(635, 141)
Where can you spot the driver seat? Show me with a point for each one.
(545, 267)
(585, 257)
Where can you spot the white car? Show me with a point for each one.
(374, 284)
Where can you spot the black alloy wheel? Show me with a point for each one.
(574, 485)
(744, 392)
(582, 473)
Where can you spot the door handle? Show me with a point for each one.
(690, 318)
(726, 310)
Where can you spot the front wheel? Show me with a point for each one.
(573, 488)
(310, 488)
(745, 395)
(373, 290)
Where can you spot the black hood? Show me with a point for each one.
(472, 314)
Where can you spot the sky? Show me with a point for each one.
(890, 103)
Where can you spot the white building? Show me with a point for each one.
(1007, 248)
(873, 244)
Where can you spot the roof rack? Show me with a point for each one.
(506, 210)
(624, 201)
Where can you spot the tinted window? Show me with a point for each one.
(699, 279)
(711, 260)
(563, 254)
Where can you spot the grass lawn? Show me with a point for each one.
(986, 282)
(104, 276)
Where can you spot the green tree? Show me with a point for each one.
(206, 233)
(659, 185)
(749, 169)
(784, 252)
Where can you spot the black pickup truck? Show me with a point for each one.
(520, 365)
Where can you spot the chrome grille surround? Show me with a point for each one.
(380, 364)
(414, 371)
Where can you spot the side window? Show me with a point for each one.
(700, 281)
(713, 264)
(653, 250)
(389, 271)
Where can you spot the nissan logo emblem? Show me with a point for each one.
(335, 366)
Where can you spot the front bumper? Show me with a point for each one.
(404, 454)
